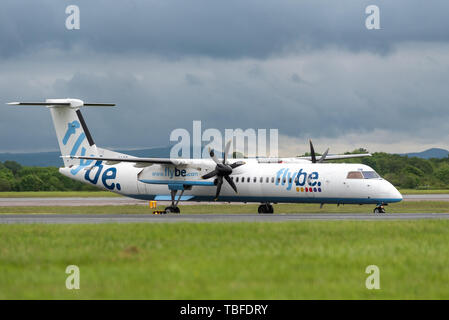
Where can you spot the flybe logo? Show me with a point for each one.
(174, 172)
(106, 176)
(303, 181)
(94, 173)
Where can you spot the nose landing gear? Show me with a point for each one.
(379, 209)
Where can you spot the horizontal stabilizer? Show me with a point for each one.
(73, 103)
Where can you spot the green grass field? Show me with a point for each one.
(295, 260)
(286, 260)
(409, 207)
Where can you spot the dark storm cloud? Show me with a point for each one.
(334, 93)
(227, 29)
(310, 70)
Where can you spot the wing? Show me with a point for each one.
(145, 162)
(339, 156)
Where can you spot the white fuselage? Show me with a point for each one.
(292, 182)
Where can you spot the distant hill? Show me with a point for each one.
(428, 154)
(52, 159)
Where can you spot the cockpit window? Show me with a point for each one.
(354, 175)
(370, 175)
(362, 175)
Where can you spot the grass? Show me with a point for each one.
(402, 207)
(294, 260)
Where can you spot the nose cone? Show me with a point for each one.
(394, 194)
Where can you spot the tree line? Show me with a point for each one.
(15, 177)
(402, 171)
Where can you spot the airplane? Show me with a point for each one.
(266, 181)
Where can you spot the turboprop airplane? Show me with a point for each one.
(262, 180)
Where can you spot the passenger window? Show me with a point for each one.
(354, 175)
(237, 179)
(267, 180)
(283, 180)
(279, 180)
(261, 179)
(248, 179)
(254, 179)
(272, 179)
(290, 180)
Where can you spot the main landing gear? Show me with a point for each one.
(379, 209)
(173, 208)
(265, 208)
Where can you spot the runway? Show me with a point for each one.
(120, 201)
(201, 218)
(69, 202)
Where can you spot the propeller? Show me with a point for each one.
(313, 156)
(223, 169)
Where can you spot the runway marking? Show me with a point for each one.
(202, 218)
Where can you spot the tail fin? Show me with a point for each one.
(73, 135)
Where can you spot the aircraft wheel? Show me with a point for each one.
(378, 210)
(172, 210)
(265, 208)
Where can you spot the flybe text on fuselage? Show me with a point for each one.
(285, 177)
(174, 173)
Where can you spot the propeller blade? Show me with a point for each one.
(213, 156)
(219, 184)
(211, 174)
(312, 152)
(226, 150)
(324, 156)
(231, 183)
(237, 164)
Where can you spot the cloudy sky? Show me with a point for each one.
(308, 68)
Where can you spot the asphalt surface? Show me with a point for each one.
(120, 201)
(200, 218)
(426, 197)
(68, 202)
